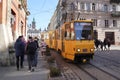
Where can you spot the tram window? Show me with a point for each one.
(65, 34)
(59, 32)
(67, 31)
(72, 35)
(53, 36)
(83, 31)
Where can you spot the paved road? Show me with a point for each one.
(10, 73)
(108, 60)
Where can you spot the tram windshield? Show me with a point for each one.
(83, 30)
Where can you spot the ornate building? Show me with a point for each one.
(104, 13)
(13, 15)
(32, 31)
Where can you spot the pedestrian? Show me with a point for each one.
(97, 43)
(36, 53)
(43, 47)
(30, 51)
(19, 50)
(105, 43)
(108, 43)
(101, 45)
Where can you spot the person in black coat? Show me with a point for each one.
(105, 43)
(97, 43)
(19, 51)
(30, 51)
(108, 43)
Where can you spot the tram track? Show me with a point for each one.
(71, 71)
(81, 73)
(108, 63)
(97, 73)
(105, 72)
(92, 76)
(108, 59)
(88, 71)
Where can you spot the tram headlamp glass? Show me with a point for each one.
(91, 50)
(78, 50)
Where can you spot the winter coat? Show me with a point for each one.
(31, 48)
(19, 47)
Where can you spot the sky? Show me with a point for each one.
(42, 11)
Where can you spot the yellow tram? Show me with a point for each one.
(74, 40)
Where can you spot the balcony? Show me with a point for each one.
(115, 13)
(115, 1)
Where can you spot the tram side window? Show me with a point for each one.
(72, 32)
(67, 31)
(59, 33)
(53, 36)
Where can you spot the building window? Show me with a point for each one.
(88, 6)
(113, 8)
(93, 6)
(105, 8)
(12, 19)
(94, 22)
(72, 6)
(114, 23)
(82, 6)
(106, 23)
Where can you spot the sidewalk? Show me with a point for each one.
(115, 47)
(40, 73)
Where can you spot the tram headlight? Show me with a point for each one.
(91, 50)
(78, 50)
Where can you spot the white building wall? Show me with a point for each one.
(98, 14)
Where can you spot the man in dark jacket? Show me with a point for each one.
(19, 50)
(31, 49)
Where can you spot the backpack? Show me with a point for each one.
(31, 48)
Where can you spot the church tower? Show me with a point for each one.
(33, 24)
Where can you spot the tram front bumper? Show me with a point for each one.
(82, 56)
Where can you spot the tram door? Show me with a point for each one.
(111, 36)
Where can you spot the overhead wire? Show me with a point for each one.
(36, 12)
(43, 4)
(39, 11)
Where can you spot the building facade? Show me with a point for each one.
(13, 15)
(104, 13)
